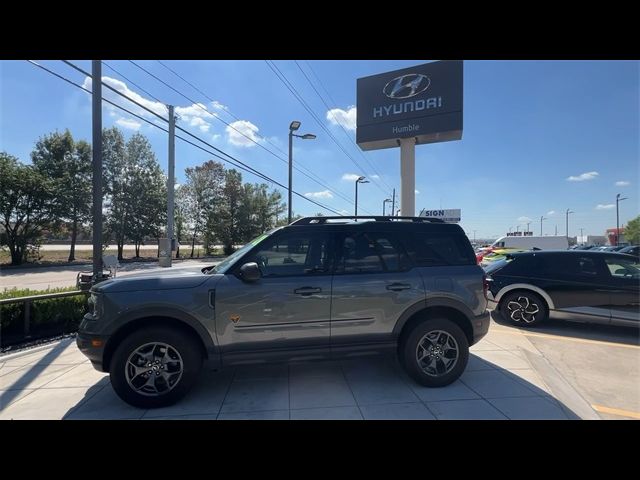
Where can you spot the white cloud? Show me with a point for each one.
(375, 177)
(242, 133)
(623, 183)
(551, 212)
(417, 192)
(524, 219)
(195, 115)
(583, 177)
(605, 207)
(344, 212)
(216, 136)
(350, 177)
(322, 194)
(346, 118)
(129, 123)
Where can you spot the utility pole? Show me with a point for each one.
(171, 180)
(556, 234)
(528, 223)
(96, 148)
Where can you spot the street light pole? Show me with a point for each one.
(96, 162)
(618, 200)
(384, 206)
(359, 180)
(567, 214)
(541, 219)
(294, 126)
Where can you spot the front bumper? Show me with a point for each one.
(92, 346)
(481, 326)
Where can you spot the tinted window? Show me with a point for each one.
(623, 268)
(293, 254)
(525, 266)
(572, 266)
(437, 249)
(370, 252)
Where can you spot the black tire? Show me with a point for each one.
(418, 369)
(186, 352)
(524, 308)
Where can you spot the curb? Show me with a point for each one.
(28, 351)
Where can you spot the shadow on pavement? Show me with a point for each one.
(587, 331)
(359, 388)
(29, 374)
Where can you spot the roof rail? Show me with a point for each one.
(348, 218)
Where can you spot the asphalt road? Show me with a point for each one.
(65, 276)
(601, 362)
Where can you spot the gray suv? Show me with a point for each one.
(321, 287)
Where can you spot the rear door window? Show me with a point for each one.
(439, 249)
(371, 252)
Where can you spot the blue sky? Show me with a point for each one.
(539, 136)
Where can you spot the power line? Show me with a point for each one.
(133, 83)
(237, 163)
(309, 175)
(274, 68)
(373, 168)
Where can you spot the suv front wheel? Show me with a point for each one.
(435, 352)
(155, 367)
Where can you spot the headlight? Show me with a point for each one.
(95, 305)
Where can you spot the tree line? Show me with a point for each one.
(53, 194)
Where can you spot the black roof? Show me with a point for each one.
(378, 223)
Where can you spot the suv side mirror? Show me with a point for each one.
(250, 272)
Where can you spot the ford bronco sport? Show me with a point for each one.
(321, 287)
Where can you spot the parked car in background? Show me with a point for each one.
(598, 287)
(498, 254)
(631, 250)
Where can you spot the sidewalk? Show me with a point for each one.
(506, 378)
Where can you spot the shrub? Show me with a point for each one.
(48, 317)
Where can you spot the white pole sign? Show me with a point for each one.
(452, 215)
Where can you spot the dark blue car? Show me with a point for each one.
(578, 285)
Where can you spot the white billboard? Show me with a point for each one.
(451, 215)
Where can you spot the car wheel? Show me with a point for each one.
(435, 352)
(525, 309)
(155, 367)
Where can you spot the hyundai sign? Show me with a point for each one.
(452, 215)
(424, 102)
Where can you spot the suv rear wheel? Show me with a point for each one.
(435, 352)
(155, 367)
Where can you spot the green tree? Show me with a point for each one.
(147, 192)
(135, 190)
(181, 210)
(26, 205)
(203, 191)
(632, 231)
(68, 165)
(224, 223)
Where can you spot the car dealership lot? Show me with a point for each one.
(557, 371)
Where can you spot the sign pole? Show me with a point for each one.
(408, 176)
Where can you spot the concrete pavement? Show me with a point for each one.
(501, 382)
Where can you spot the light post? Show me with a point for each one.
(541, 219)
(295, 125)
(359, 180)
(567, 214)
(618, 200)
(384, 205)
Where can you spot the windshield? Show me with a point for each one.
(497, 265)
(228, 262)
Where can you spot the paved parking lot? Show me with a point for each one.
(509, 376)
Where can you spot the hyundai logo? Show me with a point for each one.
(406, 86)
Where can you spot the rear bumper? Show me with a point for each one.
(92, 346)
(480, 325)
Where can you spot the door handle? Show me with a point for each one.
(396, 287)
(306, 291)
